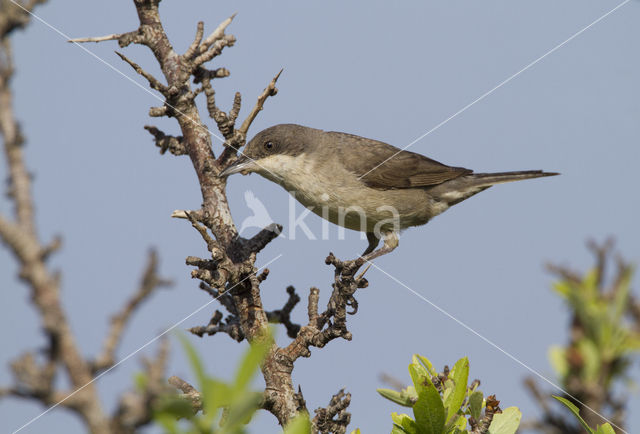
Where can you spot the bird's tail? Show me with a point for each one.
(489, 179)
(459, 189)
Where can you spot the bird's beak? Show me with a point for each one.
(242, 164)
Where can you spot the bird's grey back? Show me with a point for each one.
(378, 164)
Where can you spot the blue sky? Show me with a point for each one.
(386, 71)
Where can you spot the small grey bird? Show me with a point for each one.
(362, 184)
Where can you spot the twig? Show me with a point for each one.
(262, 238)
(283, 316)
(188, 392)
(270, 90)
(191, 51)
(21, 237)
(232, 263)
(173, 144)
(135, 407)
(217, 34)
(153, 82)
(97, 38)
(332, 323)
(149, 283)
(334, 418)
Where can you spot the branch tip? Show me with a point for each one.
(111, 37)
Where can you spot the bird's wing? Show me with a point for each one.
(383, 166)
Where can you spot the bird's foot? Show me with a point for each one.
(376, 253)
(390, 243)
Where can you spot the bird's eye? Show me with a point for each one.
(268, 146)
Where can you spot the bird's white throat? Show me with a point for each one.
(293, 173)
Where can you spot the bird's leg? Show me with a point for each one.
(373, 243)
(390, 243)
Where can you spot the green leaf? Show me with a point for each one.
(194, 359)
(241, 412)
(621, 299)
(605, 429)
(475, 404)
(590, 282)
(410, 391)
(205, 384)
(356, 431)
(419, 377)
(167, 421)
(563, 288)
(421, 373)
(401, 398)
(397, 429)
(301, 425)
(558, 360)
(429, 408)
(460, 424)
(506, 422)
(426, 363)
(575, 411)
(591, 358)
(447, 389)
(402, 423)
(140, 379)
(175, 408)
(250, 363)
(459, 375)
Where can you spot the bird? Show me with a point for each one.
(362, 184)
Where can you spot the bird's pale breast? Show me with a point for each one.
(325, 187)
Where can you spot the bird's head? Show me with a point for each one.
(272, 151)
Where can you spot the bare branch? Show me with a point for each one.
(135, 407)
(231, 327)
(173, 144)
(33, 379)
(153, 82)
(232, 262)
(191, 51)
(184, 214)
(270, 90)
(19, 178)
(224, 298)
(188, 392)
(217, 34)
(283, 316)
(16, 15)
(97, 38)
(334, 418)
(235, 109)
(215, 50)
(264, 237)
(158, 112)
(392, 381)
(332, 323)
(149, 283)
(202, 230)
